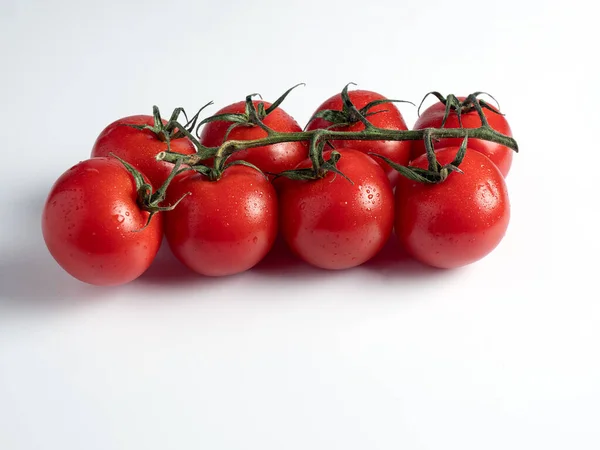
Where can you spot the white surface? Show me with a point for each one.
(499, 355)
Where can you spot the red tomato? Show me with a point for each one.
(387, 116)
(223, 227)
(455, 222)
(140, 147)
(333, 224)
(432, 117)
(94, 227)
(273, 158)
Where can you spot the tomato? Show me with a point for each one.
(332, 223)
(455, 222)
(93, 226)
(222, 227)
(273, 158)
(140, 147)
(385, 115)
(432, 117)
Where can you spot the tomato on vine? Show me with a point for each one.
(249, 120)
(138, 139)
(433, 117)
(457, 221)
(342, 218)
(342, 112)
(227, 221)
(97, 222)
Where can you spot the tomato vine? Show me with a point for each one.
(319, 138)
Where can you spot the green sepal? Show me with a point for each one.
(330, 115)
(147, 200)
(278, 102)
(298, 174)
(238, 118)
(313, 173)
(365, 109)
(412, 173)
(190, 124)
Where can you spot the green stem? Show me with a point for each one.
(372, 134)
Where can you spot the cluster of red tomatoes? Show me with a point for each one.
(104, 224)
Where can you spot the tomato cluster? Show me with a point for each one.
(335, 203)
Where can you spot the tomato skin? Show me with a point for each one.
(222, 227)
(140, 147)
(458, 221)
(273, 158)
(389, 118)
(92, 224)
(432, 117)
(333, 224)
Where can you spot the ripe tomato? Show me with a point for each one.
(386, 116)
(273, 158)
(432, 117)
(455, 222)
(332, 223)
(222, 227)
(93, 226)
(140, 147)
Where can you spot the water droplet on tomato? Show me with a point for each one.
(119, 218)
(370, 196)
(302, 205)
(255, 240)
(127, 212)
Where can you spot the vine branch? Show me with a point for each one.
(484, 132)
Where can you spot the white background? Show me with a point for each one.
(503, 354)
